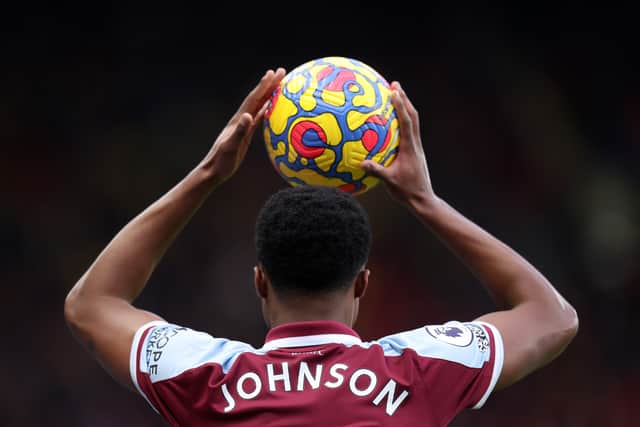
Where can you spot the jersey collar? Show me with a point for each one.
(309, 333)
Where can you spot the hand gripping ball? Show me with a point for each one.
(326, 117)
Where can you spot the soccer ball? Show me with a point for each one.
(327, 116)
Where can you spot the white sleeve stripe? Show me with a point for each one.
(498, 360)
(134, 357)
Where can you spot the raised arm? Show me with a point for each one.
(98, 308)
(536, 323)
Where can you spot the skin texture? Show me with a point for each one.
(340, 305)
(536, 322)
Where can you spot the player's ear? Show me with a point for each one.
(260, 282)
(361, 283)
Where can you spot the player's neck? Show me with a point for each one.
(284, 318)
(338, 308)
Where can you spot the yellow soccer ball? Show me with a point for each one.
(326, 117)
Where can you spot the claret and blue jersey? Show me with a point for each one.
(317, 373)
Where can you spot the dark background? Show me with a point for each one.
(531, 125)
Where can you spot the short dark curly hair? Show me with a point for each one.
(312, 239)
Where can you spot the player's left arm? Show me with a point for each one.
(535, 323)
(99, 309)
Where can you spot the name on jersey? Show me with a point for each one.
(303, 377)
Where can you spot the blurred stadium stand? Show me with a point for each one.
(531, 124)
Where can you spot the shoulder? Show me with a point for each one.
(162, 350)
(468, 343)
(462, 359)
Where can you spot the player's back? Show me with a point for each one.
(316, 374)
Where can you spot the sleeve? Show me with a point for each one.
(168, 363)
(460, 363)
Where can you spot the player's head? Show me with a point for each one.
(312, 241)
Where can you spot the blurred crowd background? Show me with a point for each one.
(531, 125)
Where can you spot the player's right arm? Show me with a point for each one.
(536, 323)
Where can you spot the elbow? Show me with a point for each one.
(561, 327)
(565, 327)
(572, 323)
(71, 307)
(74, 307)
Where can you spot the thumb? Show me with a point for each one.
(374, 169)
